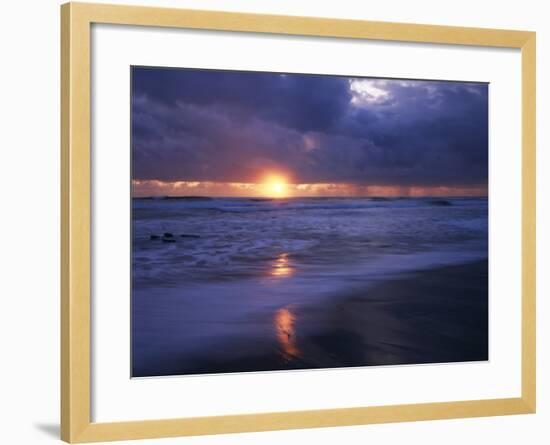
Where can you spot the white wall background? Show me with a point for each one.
(29, 220)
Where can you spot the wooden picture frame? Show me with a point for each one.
(76, 20)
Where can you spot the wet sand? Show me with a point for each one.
(432, 316)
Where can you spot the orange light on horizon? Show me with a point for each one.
(275, 186)
(280, 186)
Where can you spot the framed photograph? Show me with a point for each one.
(275, 222)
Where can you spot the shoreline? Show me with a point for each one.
(437, 315)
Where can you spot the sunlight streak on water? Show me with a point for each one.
(281, 266)
(286, 334)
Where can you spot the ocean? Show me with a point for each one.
(253, 284)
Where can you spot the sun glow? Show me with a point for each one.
(275, 186)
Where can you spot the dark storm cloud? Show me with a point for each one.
(302, 102)
(198, 125)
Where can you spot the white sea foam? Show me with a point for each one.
(237, 237)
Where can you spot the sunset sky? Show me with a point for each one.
(233, 133)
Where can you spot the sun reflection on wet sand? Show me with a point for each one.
(281, 266)
(286, 335)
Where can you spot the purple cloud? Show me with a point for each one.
(203, 125)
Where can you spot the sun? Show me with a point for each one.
(278, 187)
(275, 186)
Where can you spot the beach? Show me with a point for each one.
(261, 285)
(434, 316)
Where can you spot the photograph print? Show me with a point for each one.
(288, 221)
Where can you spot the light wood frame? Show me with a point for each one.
(76, 20)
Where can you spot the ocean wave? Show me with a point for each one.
(243, 205)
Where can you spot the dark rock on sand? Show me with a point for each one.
(154, 237)
(440, 202)
(168, 238)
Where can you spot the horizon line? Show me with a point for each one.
(306, 196)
